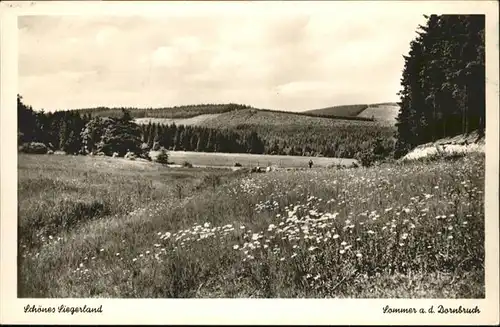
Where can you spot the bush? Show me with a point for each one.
(33, 148)
(187, 164)
(162, 157)
(366, 158)
(237, 164)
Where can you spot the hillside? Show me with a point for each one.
(176, 112)
(457, 145)
(381, 112)
(347, 111)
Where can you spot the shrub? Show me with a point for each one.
(237, 164)
(162, 157)
(366, 158)
(187, 164)
(34, 148)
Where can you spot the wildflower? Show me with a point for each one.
(450, 237)
(101, 250)
(118, 254)
(372, 232)
(450, 227)
(342, 251)
(206, 225)
(293, 255)
(404, 236)
(148, 252)
(344, 243)
(336, 236)
(134, 260)
(236, 246)
(312, 248)
(359, 255)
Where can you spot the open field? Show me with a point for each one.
(252, 160)
(88, 228)
(386, 112)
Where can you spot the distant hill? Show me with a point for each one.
(382, 112)
(166, 112)
(182, 114)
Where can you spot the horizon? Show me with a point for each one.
(304, 61)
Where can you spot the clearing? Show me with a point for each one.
(216, 159)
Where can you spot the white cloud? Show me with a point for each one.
(278, 60)
(105, 34)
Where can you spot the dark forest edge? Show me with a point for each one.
(443, 95)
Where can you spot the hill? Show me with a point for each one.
(381, 112)
(176, 112)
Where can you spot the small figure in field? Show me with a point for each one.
(310, 163)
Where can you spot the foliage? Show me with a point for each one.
(33, 148)
(121, 136)
(443, 81)
(162, 156)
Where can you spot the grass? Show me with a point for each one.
(252, 160)
(414, 230)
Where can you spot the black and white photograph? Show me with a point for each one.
(254, 151)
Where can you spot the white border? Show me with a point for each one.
(238, 311)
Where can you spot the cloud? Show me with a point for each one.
(289, 59)
(105, 34)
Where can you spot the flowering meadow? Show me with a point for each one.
(409, 230)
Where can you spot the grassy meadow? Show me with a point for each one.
(252, 160)
(100, 227)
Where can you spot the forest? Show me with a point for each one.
(443, 81)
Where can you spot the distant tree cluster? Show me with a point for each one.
(201, 139)
(168, 112)
(58, 130)
(443, 81)
(110, 135)
(342, 141)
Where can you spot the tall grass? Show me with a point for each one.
(413, 230)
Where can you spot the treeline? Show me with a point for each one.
(60, 130)
(340, 141)
(77, 133)
(169, 112)
(443, 81)
(201, 139)
(196, 110)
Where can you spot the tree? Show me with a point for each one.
(443, 81)
(121, 136)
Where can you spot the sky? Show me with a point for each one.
(289, 60)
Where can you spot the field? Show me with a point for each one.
(88, 227)
(252, 160)
(385, 112)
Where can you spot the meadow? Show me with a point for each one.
(252, 160)
(94, 227)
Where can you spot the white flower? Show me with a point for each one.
(236, 246)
